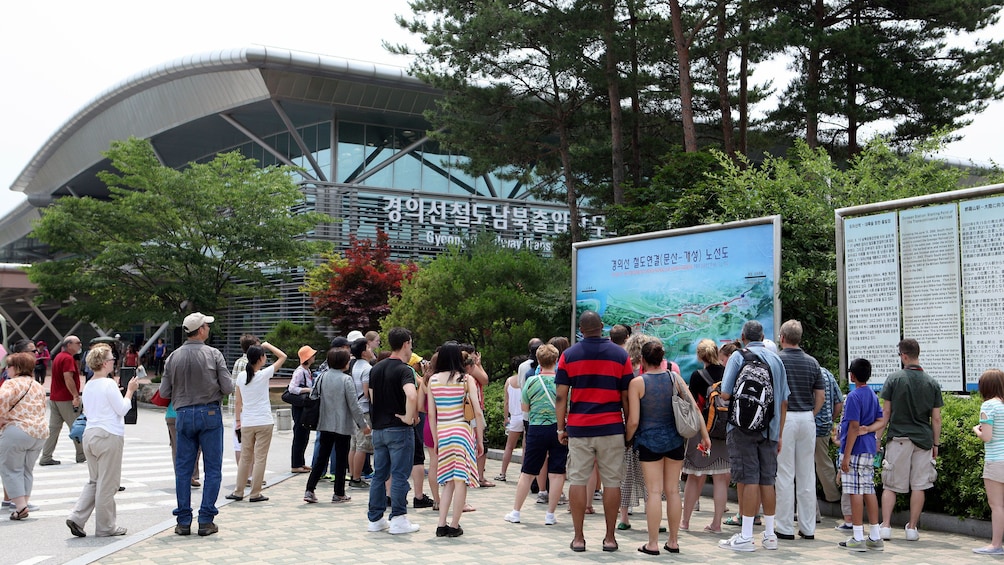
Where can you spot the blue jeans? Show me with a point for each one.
(317, 453)
(198, 427)
(393, 452)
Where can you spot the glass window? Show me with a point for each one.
(351, 138)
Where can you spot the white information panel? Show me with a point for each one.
(982, 249)
(871, 261)
(931, 286)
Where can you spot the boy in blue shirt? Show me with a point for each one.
(857, 457)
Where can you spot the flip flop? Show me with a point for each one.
(613, 547)
(648, 551)
(623, 526)
(589, 510)
(577, 548)
(469, 508)
(711, 530)
(671, 549)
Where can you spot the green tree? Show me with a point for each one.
(290, 337)
(165, 237)
(494, 298)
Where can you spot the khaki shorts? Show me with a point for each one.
(994, 470)
(360, 441)
(907, 467)
(607, 451)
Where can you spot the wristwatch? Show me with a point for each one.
(561, 431)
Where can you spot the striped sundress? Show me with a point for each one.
(454, 436)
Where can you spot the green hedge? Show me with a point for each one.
(494, 418)
(959, 490)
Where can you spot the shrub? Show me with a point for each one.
(495, 435)
(959, 490)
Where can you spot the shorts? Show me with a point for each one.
(360, 441)
(419, 457)
(861, 478)
(907, 467)
(994, 471)
(542, 442)
(606, 451)
(646, 455)
(516, 425)
(752, 457)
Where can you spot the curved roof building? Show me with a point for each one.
(355, 129)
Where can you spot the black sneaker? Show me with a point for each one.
(49, 462)
(208, 529)
(442, 531)
(75, 529)
(183, 530)
(454, 532)
(424, 502)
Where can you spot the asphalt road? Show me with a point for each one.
(143, 508)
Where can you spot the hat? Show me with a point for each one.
(195, 320)
(354, 335)
(306, 352)
(340, 342)
(770, 345)
(415, 361)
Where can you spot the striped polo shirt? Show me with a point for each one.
(597, 371)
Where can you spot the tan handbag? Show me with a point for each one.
(468, 406)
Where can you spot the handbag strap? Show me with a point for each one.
(23, 394)
(544, 387)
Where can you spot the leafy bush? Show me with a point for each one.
(290, 337)
(959, 490)
(495, 435)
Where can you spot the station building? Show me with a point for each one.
(356, 130)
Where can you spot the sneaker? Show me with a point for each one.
(912, 534)
(853, 545)
(424, 502)
(49, 462)
(207, 529)
(367, 476)
(378, 526)
(339, 498)
(453, 532)
(513, 517)
(542, 497)
(76, 530)
(358, 484)
(769, 541)
(737, 543)
(401, 525)
(844, 527)
(308, 496)
(549, 519)
(885, 533)
(328, 477)
(597, 495)
(989, 550)
(875, 544)
(183, 530)
(8, 504)
(564, 500)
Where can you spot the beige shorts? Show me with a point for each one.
(360, 441)
(907, 467)
(607, 451)
(994, 470)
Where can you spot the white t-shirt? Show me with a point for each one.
(104, 406)
(256, 410)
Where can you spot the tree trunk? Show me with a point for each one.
(616, 116)
(686, 90)
(744, 64)
(564, 148)
(635, 100)
(812, 78)
(723, 80)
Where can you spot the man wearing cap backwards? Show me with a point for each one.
(196, 378)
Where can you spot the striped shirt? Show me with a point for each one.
(804, 377)
(598, 372)
(991, 411)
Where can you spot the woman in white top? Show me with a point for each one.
(104, 438)
(256, 419)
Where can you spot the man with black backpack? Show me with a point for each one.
(756, 384)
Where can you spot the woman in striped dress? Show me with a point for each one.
(458, 445)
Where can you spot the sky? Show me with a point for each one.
(59, 55)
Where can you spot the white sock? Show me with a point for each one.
(768, 525)
(747, 527)
(859, 532)
(874, 532)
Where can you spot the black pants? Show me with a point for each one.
(301, 436)
(341, 444)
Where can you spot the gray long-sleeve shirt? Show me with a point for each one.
(195, 374)
(340, 412)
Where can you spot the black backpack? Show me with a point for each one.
(753, 402)
(716, 408)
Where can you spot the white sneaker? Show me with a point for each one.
(912, 534)
(512, 517)
(549, 519)
(378, 526)
(769, 542)
(885, 533)
(737, 543)
(401, 525)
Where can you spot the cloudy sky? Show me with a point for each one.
(59, 55)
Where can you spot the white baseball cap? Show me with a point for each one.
(195, 320)
(354, 335)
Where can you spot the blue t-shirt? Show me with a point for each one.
(861, 406)
(992, 413)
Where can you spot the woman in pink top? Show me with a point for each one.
(23, 430)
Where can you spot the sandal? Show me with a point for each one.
(435, 507)
(622, 526)
(711, 530)
(500, 477)
(19, 514)
(469, 508)
(648, 551)
(487, 484)
(590, 510)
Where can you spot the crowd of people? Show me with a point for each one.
(599, 415)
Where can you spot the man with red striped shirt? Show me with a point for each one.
(598, 372)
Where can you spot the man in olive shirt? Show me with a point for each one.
(911, 406)
(196, 378)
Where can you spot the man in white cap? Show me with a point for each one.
(354, 335)
(196, 378)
